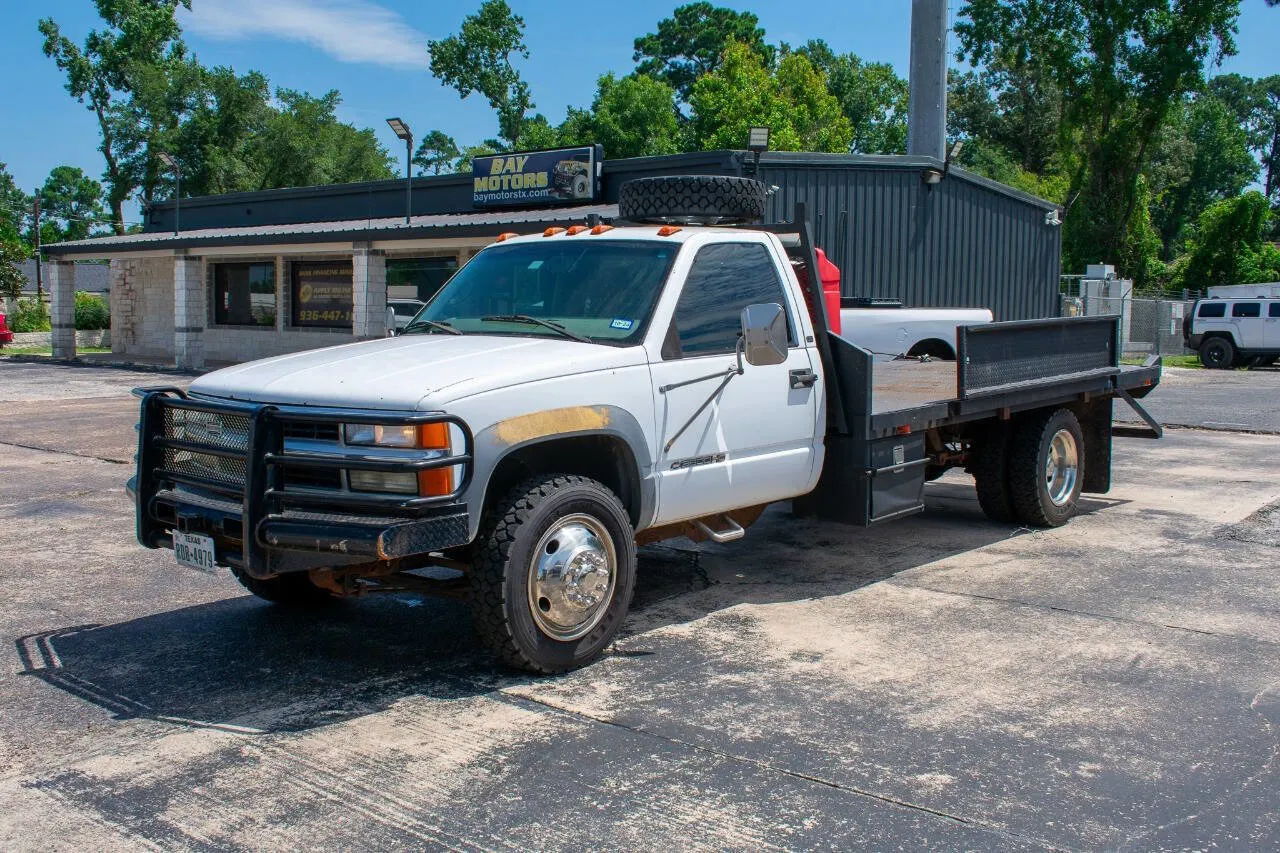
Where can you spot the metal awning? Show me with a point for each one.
(480, 224)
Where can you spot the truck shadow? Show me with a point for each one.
(249, 667)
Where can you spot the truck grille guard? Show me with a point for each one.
(239, 464)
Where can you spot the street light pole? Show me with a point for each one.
(402, 130)
(408, 179)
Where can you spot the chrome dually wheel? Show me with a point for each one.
(571, 577)
(1062, 467)
(553, 572)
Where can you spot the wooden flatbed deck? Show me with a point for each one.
(899, 385)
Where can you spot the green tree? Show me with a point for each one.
(1121, 68)
(871, 95)
(484, 149)
(792, 101)
(692, 42)
(304, 144)
(214, 141)
(70, 205)
(140, 42)
(1255, 104)
(436, 153)
(14, 207)
(479, 59)
(632, 116)
(1203, 157)
(12, 255)
(1229, 245)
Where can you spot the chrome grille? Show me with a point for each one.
(220, 469)
(221, 430)
(225, 431)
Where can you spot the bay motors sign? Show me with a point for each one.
(564, 175)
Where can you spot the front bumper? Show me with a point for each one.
(264, 526)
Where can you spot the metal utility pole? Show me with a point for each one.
(35, 218)
(927, 104)
(401, 129)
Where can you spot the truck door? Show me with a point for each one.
(1273, 327)
(755, 440)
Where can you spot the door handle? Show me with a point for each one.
(803, 378)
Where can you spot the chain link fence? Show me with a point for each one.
(1149, 325)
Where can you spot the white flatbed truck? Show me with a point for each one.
(570, 395)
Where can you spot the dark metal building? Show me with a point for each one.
(898, 227)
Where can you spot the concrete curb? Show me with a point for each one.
(114, 365)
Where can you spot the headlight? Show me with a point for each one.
(377, 435)
(383, 481)
(431, 437)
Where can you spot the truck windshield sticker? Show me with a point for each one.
(533, 265)
(619, 323)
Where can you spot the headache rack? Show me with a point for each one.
(226, 463)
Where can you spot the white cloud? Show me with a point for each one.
(347, 30)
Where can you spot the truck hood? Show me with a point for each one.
(410, 372)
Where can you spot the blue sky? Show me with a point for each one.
(374, 52)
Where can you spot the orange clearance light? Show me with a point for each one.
(668, 230)
(434, 436)
(904, 429)
(576, 229)
(552, 231)
(507, 236)
(600, 229)
(434, 481)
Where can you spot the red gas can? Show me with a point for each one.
(829, 274)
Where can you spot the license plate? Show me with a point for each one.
(194, 551)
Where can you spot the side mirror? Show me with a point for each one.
(764, 334)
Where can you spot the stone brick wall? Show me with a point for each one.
(142, 306)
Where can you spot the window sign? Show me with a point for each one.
(561, 176)
(322, 296)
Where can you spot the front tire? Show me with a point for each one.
(553, 574)
(1046, 468)
(1217, 354)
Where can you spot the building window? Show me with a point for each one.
(418, 278)
(244, 294)
(320, 294)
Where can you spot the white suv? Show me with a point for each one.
(1234, 332)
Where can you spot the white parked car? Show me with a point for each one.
(400, 312)
(1234, 332)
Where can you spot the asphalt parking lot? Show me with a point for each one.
(942, 681)
(1232, 400)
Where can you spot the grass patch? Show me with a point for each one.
(12, 350)
(1169, 361)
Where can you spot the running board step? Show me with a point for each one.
(734, 532)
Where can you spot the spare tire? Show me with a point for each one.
(693, 200)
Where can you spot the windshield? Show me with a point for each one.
(598, 289)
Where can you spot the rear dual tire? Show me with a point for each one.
(1031, 471)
